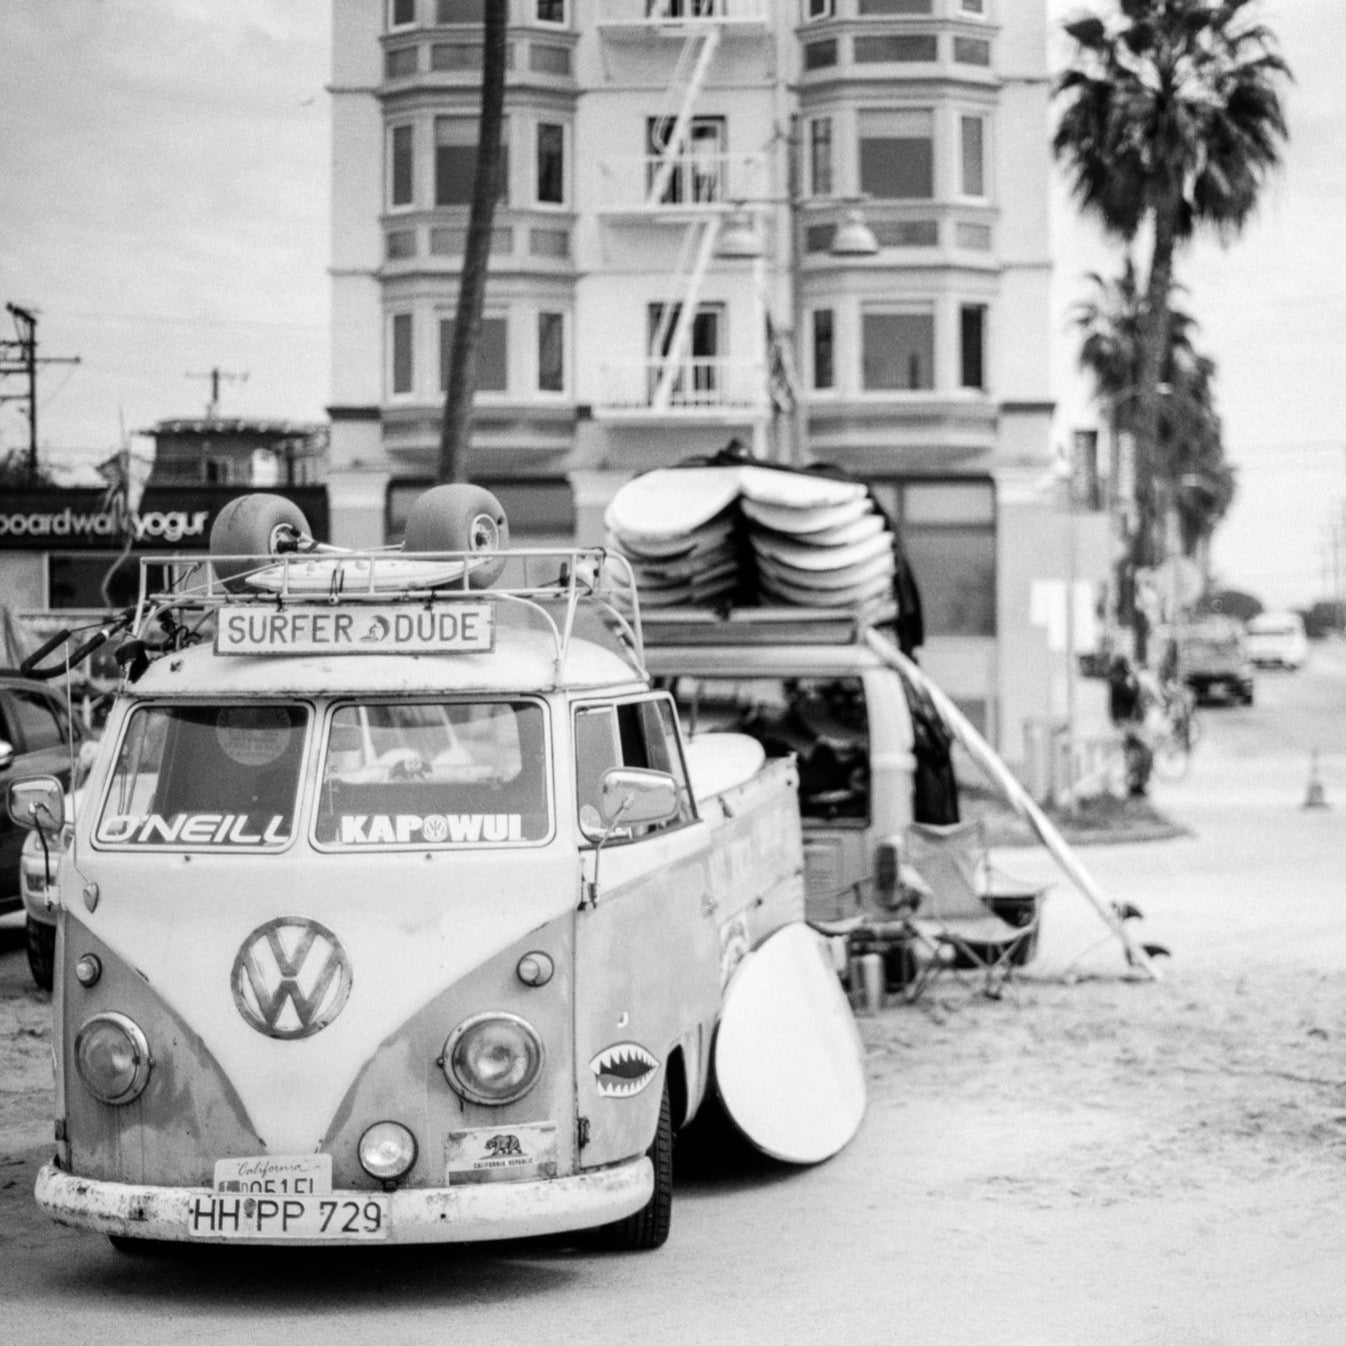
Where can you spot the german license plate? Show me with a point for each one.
(229, 1216)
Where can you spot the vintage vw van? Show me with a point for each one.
(392, 911)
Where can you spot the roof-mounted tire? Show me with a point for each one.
(252, 531)
(460, 518)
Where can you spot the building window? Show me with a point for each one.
(492, 355)
(401, 167)
(971, 51)
(973, 6)
(895, 48)
(973, 134)
(697, 380)
(401, 244)
(820, 156)
(456, 160)
(906, 233)
(545, 59)
(550, 163)
(551, 11)
(818, 9)
(897, 154)
(972, 345)
(549, 243)
(899, 351)
(460, 11)
(455, 57)
(399, 63)
(402, 361)
(948, 533)
(820, 55)
(872, 8)
(551, 352)
(824, 363)
(401, 13)
(698, 170)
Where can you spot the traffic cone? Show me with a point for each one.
(1315, 798)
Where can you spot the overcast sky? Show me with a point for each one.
(165, 204)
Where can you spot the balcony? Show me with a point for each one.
(700, 184)
(639, 19)
(705, 389)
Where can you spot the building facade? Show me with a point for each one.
(818, 226)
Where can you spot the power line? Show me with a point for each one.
(20, 357)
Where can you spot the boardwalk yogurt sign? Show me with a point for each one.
(70, 524)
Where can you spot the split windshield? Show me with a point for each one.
(434, 773)
(191, 777)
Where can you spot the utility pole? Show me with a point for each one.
(216, 377)
(20, 357)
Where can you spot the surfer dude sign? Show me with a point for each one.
(432, 929)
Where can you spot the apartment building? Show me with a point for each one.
(817, 226)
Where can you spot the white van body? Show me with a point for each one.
(327, 905)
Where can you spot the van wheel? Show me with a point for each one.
(648, 1227)
(460, 517)
(130, 1247)
(41, 952)
(252, 530)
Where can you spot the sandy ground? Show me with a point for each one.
(1097, 1157)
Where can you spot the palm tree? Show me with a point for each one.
(462, 371)
(1171, 119)
(1111, 321)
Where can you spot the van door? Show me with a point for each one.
(647, 952)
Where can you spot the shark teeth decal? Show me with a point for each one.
(623, 1069)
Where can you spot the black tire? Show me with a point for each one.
(460, 517)
(42, 953)
(648, 1227)
(130, 1247)
(251, 529)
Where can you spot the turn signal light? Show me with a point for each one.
(387, 1151)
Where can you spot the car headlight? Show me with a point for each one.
(387, 1151)
(113, 1058)
(493, 1058)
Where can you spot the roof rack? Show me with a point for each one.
(557, 585)
(775, 625)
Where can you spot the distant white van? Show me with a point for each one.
(1277, 640)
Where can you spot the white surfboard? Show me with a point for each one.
(688, 594)
(789, 1063)
(853, 595)
(725, 567)
(797, 490)
(356, 574)
(714, 534)
(806, 522)
(846, 577)
(670, 503)
(801, 557)
(719, 761)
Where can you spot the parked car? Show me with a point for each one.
(1213, 660)
(37, 738)
(1277, 640)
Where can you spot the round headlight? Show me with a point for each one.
(387, 1150)
(493, 1058)
(113, 1058)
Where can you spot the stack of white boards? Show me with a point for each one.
(815, 541)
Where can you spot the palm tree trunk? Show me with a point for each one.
(1153, 353)
(462, 372)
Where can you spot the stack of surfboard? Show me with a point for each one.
(814, 541)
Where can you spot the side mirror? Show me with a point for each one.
(38, 803)
(631, 796)
(6, 755)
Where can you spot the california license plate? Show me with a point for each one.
(223, 1215)
(276, 1175)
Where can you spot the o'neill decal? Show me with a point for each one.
(194, 829)
(623, 1070)
(363, 829)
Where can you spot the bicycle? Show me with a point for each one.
(1176, 732)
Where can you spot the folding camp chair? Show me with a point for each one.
(950, 868)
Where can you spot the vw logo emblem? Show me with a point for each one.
(291, 978)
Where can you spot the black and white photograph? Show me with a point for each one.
(673, 671)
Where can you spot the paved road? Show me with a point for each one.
(981, 1200)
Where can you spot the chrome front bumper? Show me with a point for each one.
(418, 1215)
